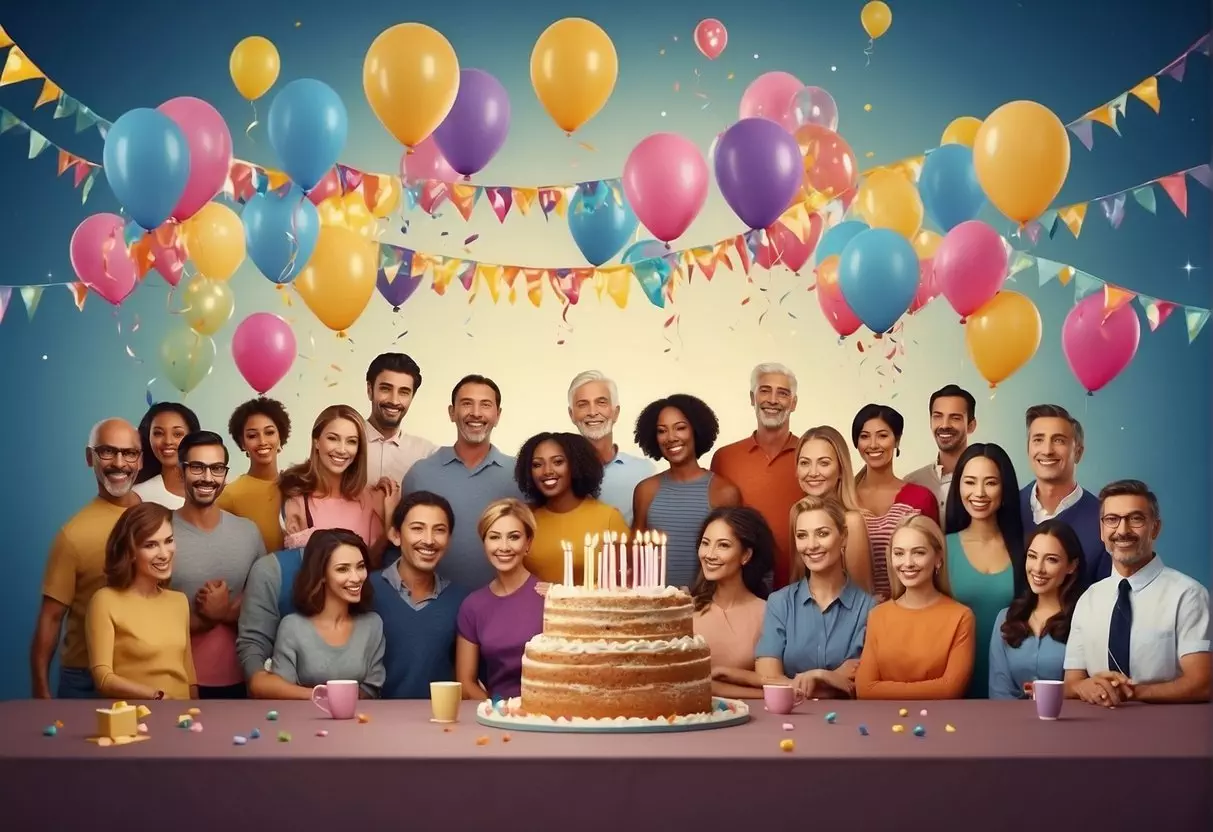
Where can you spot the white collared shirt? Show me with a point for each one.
(1041, 514)
(1170, 621)
(932, 478)
(393, 456)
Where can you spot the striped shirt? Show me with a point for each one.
(678, 509)
(911, 499)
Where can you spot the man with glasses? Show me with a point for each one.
(1141, 634)
(215, 551)
(76, 566)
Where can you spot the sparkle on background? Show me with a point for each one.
(44, 358)
(867, 108)
(755, 56)
(833, 69)
(1189, 268)
(663, 113)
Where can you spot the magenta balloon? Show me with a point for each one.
(101, 259)
(264, 348)
(426, 162)
(1099, 346)
(769, 95)
(210, 144)
(970, 266)
(666, 182)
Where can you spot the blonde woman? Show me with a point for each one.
(920, 644)
(815, 627)
(823, 469)
(495, 622)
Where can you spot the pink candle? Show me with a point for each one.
(661, 558)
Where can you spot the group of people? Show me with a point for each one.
(386, 559)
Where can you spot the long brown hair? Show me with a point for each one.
(309, 587)
(1016, 628)
(134, 528)
(834, 508)
(304, 479)
(753, 535)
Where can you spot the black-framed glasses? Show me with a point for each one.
(1135, 519)
(197, 469)
(108, 453)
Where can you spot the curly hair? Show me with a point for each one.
(271, 409)
(151, 466)
(705, 427)
(585, 468)
(135, 527)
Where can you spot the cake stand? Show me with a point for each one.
(507, 714)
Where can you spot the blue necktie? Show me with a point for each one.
(1121, 627)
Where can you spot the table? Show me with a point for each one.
(1002, 768)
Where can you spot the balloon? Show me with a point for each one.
(263, 348)
(926, 243)
(1003, 335)
(400, 288)
(876, 18)
(878, 274)
(327, 187)
(339, 279)
(166, 246)
(280, 230)
(961, 130)
(601, 223)
(187, 358)
(101, 260)
(811, 105)
(147, 165)
(648, 259)
(665, 181)
(214, 240)
(830, 169)
(308, 126)
(783, 246)
(711, 38)
(426, 162)
(888, 199)
(970, 266)
(836, 239)
(573, 71)
(928, 287)
(948, 186)
(207, 304)
(476, 127)
(411, 77)
(254, 67)
(386, 197)
(349, 212)
(769, 95)
(758, 169)
(1099, 346)
(210, 151)
(829, 296)
(1022, 155)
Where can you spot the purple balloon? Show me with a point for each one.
(759, 169)
(476, 127)
(401, 288)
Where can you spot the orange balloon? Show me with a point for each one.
(1021, 155)
(573, 70)
(411, 77)
(925, 242)
(1003, 335)
(888, 199)
(830, 169)
(339, 279)
(961, 130)
(214, 240)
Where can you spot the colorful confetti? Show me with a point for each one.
(469, 240)
(131, 353)
(587, 146)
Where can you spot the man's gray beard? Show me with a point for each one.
(595, 435)
(104, 482)
(772, 421)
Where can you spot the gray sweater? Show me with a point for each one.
(302, 657)
(259, 615)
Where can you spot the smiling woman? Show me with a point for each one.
(160, 431)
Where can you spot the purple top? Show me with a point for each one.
(501, 627)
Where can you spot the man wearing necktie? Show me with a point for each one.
(1141, 634)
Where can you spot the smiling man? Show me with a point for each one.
(594, 409)
(953, 419)
(392, 380)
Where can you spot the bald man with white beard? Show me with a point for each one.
(594, 409)
(76, 566)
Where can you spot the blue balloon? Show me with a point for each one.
(147, 165)
(836, 239)
(647, 258)
(878, 275)
(949, 188)
(601, 222)
(280, 232)
(308, 127)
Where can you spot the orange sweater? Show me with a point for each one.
(917, 654)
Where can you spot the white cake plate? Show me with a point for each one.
(725, 713)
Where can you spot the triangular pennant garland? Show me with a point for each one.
(32, 296)
(1196, 319)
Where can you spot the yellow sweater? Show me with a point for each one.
(590, 517)
(259, 501)
(142, 639)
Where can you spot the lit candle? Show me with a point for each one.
(650, 560)
(612, 558)
(587, 562)
(644, 558)
(661, 557)
(623, 561)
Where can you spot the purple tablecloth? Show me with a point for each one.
(1138, 767)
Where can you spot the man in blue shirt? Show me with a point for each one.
(594, 409)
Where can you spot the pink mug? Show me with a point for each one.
(781, 699)
(338, 698)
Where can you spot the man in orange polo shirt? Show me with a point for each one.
(763, 465)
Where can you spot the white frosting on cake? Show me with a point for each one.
(565, 645)
(511, 710)
(572, 591)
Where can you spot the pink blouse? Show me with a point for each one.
(732, 634)
(360, 516)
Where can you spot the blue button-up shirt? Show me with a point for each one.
(805, 637)
(1013, 667)
(392, 575)
(619, 479)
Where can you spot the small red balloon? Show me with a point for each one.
(711, 37)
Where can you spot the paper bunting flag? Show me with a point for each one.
(1196, 320)
(31, 296)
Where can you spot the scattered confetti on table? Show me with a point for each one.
(831, 717)
(787, 745)
(506, 738)
(899, 729)
(903, 712)
(363, 719)
(196, 727)
(447, 730)
(787, 726)
(482, 740)
(255, 734)
(272, 716)
(923, 712)
(951, 729)
(238, 740)
(283, 736)
(322, 733)
(863, 730)
(194, 711)
(143, 711)
(142, 729)
(919, 731)
(50, 731)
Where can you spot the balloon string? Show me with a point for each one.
(293, 237)
(869, 50)
(248, 131)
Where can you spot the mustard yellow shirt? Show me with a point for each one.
(75, 570)
(257, 500)
(144, 639)
(546, 560)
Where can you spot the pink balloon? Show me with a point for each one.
(168, 252)
(427, 162)
(769, 96)
(264, 349)
(711, 37)
(970, 266)
(210, 144)
(834, 306)
(928, 286)
(101, 259)
(330, 185)
(1099, 346)
(666, 182)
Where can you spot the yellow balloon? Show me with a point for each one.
(186, 358)
(925, 242)
(339, 279)
(1022, 155)
(207, 305)
(387, 197)
(961, 130)
(1003, 335)
(411, 77)
(254, 66)
(214, 240)
(573, 71)
(876, 18)
(888, 199)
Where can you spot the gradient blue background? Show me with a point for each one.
(940, 60)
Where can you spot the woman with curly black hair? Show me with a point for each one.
(260, 428)
(679, 429)
(560, 475)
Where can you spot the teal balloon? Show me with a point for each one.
(601, 222)
(132, 233)
(836, 239)
(653, 270)
(280, 232)
(878, 274)
(949, 188)
(308, 127)
(147, 165)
